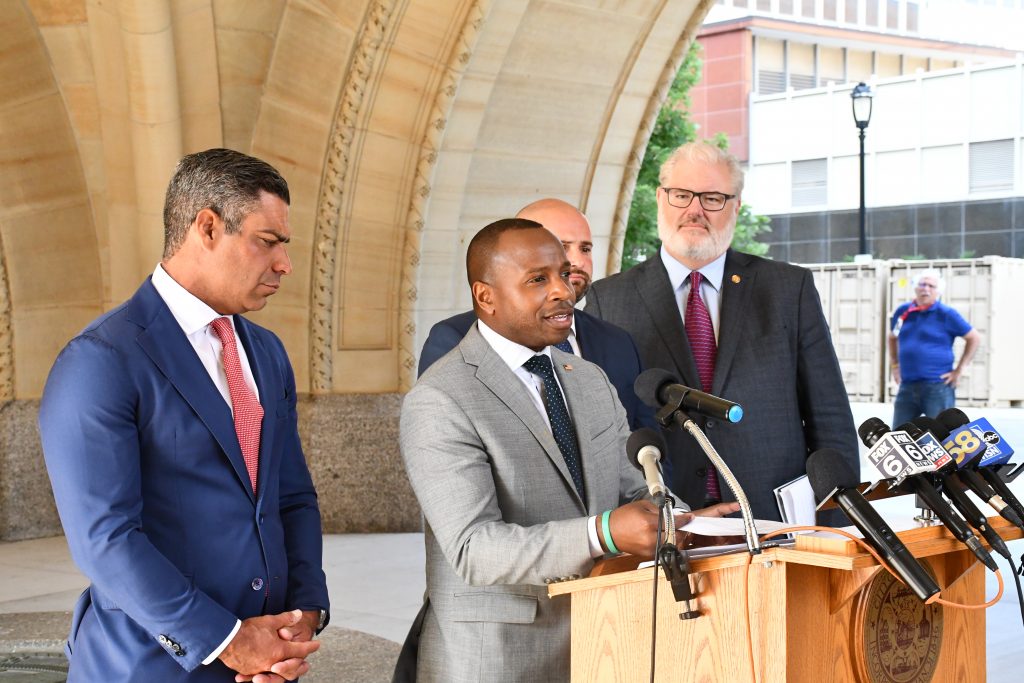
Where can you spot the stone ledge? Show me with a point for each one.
(350, 442)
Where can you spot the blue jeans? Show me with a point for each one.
(921, 398)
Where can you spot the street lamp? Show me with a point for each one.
(861, 97)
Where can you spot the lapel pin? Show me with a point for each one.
(567, 367)
(736, 279)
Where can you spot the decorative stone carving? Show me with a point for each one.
(6, 335)
(416, 215)
(332, 189)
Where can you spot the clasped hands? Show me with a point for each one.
(273, 648)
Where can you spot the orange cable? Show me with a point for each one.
(869, 549)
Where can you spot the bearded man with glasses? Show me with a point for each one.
(742, 327)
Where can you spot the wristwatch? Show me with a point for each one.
(322, 623)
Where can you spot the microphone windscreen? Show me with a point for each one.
(871, 430)
(952, 418)
(640, 439)
(649, 383)
(827, 470)
(930, 424)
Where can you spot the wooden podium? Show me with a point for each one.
(820, 611)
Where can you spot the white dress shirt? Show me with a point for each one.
(514, 355)
(710, 286)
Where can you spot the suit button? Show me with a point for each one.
(709, 424)
(162, 639)
(701, 472)
(261, 519)
(257, 583)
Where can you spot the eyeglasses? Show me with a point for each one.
(711, 201)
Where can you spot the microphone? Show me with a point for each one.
(657, 388)
(896, 456)
(967, 473)
(644, 448)
(831, 476)
(985, 438)
(954, 488)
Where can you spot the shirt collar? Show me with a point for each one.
(510, 352)
(678, 274)
(191, 313)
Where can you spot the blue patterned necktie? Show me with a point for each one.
(564, 345)
(558, 415)
(701, 334)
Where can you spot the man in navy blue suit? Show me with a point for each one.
(602, 343)
(170, 435)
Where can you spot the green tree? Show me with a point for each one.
(673, 128)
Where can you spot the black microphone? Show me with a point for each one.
(657, 388)
(896, 451)
(967, 472)
(644, 449)
(827, 471)
(954, 488)
(959, 425)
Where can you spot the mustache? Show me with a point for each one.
(695, 220)
(563, 306)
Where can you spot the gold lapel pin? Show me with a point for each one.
(736, 279)
(567, 367)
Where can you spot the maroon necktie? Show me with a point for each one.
(702, 342)
(247, 409)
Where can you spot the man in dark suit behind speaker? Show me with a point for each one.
(742, 327)
(601, 343)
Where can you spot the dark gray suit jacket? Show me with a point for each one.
(775, 358)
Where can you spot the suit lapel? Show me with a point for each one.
(503, 383)
(167, 346)
(654, 289)
(737, 285)
(261, 365)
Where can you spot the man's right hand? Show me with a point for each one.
(896, 374)
(634, 528)
(258, 648)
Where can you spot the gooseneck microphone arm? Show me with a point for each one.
(749, 531)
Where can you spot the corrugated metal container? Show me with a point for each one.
(988, 292)
(851, 296)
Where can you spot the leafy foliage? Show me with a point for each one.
(672, 129)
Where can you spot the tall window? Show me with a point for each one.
(771, 66)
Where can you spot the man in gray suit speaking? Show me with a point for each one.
(516, 451)
(745, 328)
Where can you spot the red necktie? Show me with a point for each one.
(702, 342)
(247, 408)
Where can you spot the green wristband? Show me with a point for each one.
(608, 533)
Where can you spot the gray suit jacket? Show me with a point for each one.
(775, 358)
(502, 517)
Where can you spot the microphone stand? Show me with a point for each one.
(676, 413)
(675, 563)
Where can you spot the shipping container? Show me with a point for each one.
(851, 296)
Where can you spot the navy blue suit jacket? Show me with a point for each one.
(156, 501)
(607, 346)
